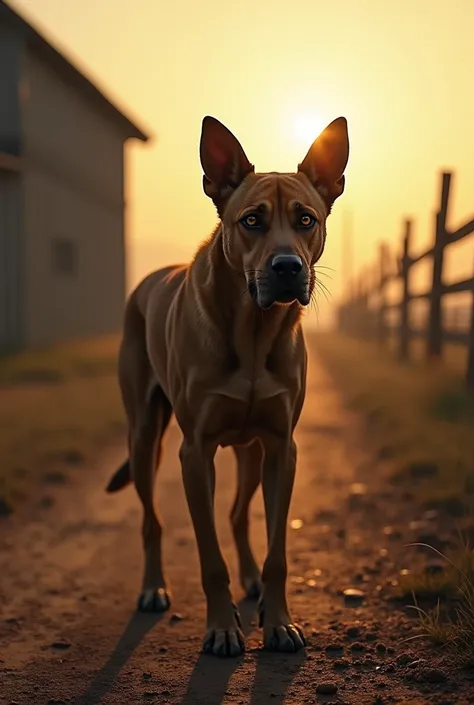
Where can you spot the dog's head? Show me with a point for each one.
(274, 225)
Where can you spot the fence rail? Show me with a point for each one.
(365, 311)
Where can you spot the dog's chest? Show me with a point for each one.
(239, 409)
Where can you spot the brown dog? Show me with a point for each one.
(220, 344)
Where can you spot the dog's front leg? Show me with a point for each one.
(224, 636)
(279, 632)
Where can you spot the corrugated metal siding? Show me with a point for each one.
(10, 261)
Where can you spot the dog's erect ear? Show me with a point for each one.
(326, 160)
(223, 160)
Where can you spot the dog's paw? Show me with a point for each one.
(225, 642)
(154, 600)
(288, 638)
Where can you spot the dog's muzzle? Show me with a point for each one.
(284, 280)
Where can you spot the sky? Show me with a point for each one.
(276, 73)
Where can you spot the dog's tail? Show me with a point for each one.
(120, 479)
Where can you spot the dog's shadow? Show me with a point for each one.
(271, 680)
(273, 674)
(136, 630)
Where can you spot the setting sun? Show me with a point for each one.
(306, 127)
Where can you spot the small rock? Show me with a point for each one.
(61, 644)
(358, 488)
(358, 647)
(328, 688)
(176, 617)
(5, 508)
(146, 676)
(392, 533)
(341, 664)
(352, 632)
(380, 648)
(353, 596)
(334, 649)
(371, 636)
(403, 659)
(432, 675)
(296, 524)
(13, 620)
(163, 649)
(325, 515)
(73, 457)
(55, 477)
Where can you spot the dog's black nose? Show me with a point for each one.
(287, 265)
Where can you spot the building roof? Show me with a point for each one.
(69, 72)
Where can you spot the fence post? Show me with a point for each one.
(404, 329)
(470, 351)
(435, 327)
(382, 323)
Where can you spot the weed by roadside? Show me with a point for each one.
(451, 621)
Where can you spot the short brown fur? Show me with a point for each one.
(219, 343)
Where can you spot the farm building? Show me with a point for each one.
(62, 232)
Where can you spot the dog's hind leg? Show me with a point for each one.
(249, 470)
(148, 413)
(145, 450)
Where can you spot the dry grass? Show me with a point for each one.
(421, 418)
(56, 407)
(438, 626)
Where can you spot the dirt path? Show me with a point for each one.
(69, 582)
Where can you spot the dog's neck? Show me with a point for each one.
(231, 322)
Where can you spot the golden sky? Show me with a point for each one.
(276, 73)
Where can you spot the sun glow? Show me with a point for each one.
(306, 127)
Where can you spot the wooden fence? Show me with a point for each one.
(366, 310)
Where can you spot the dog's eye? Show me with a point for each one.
(306, 221)
(251, 221)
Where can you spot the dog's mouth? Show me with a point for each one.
(267, 293)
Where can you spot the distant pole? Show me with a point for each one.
(435, 322)
(404, 327)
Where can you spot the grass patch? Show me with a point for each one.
(423, 586)
(422, 421)
(57, 407)
(420, 417)
(442, 627)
